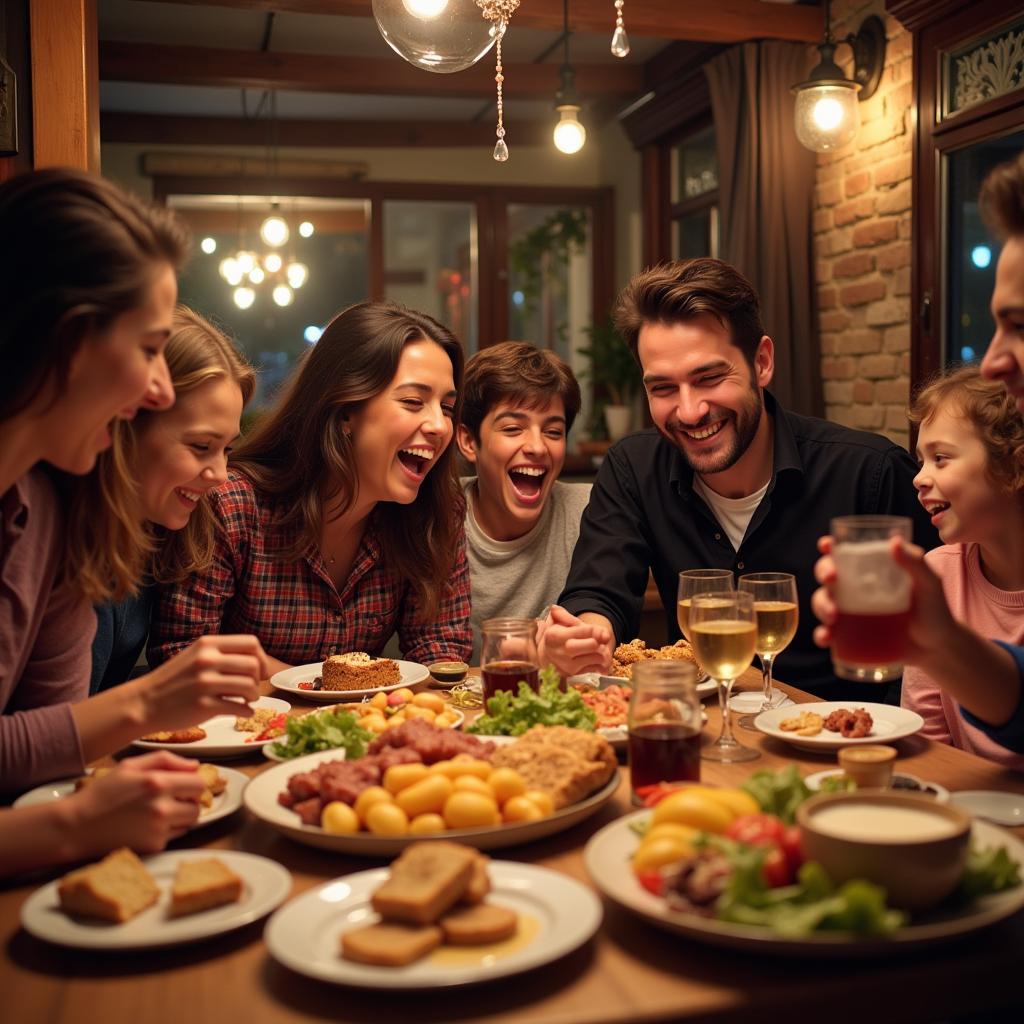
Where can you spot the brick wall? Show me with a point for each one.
(862, 244)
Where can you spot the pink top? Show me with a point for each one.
(993, 613)
(45, 641)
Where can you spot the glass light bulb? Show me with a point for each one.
(272, 262)
(306, 229)
(436, 35)
(256, 275)
(274, 231)
(283, 295)
(227, 267)
(296, 274)
(827, 115)
(244, 297)
(208, 245)
(569, 134)
(245, 261)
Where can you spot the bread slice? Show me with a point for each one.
(202, 884)
(480, 881)
(480, 924)
(390, 945)
(427, 879)
(115, 889)
(562, 774)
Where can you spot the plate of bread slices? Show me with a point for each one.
(221, 797)
(418, 780)
(123, 902)
(224, 735)
(442, 915)
(351, 676)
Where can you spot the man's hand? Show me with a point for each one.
(576, 645)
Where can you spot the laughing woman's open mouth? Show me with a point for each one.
(416, 461)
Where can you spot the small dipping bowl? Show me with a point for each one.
(869, 766)
(447, 673)
(912, 846)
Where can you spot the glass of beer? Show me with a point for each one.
(723, 631)
(775, 604)
(698, 581)
(872, 593)
(664, 724)
(509, 655)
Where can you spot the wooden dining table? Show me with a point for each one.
(630, 971)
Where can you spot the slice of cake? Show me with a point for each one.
(202, 884)
(115, 889)
(358, 671)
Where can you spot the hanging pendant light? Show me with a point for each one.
(620, 41)
(435, 35)
(827, 109)
(569, 135)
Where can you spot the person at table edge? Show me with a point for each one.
(727, 478)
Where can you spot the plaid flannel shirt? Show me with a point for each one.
(292, 605)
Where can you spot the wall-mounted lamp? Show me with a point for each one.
(827, 113)
(569, 135)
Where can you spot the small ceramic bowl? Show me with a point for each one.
(447, 673)
(912, 846)
(870, 765)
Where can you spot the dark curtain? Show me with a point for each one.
(766, 188)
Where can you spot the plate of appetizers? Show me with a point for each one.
(310, 790)
(224, 735)
(607, 858)
(830, 725)
(555, 915)
(306, 681)
(248, 886)
(222, 796)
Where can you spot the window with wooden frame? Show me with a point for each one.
(969, 91)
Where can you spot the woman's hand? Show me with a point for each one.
(575, 645)
(143, 803)
(196, 684)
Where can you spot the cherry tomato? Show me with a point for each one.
(653, 881)
(757, 830)
(791, 848)
(776, 868)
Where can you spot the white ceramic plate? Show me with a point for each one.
(288, 681)
(267, 885)
(889, 724)
(560, 913)
(268, 748)
(992, 805)
(223, 803)
(261, 799)
(933, 789)
(607, 860)
(706, 686)
(222, 738)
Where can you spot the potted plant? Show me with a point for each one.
(616, 379)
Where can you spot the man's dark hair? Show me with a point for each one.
(686, 289)
(1001, 199)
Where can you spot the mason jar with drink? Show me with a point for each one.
(664, 724)
(509, 655)
(872, 593)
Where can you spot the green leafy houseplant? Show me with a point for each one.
(613, 372)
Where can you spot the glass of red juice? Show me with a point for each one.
(869, 636)
(664, 724)
(509, 655)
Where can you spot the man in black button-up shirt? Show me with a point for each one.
(723, 460)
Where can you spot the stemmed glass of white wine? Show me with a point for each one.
(698, 581)
(723, 631)
(775, 604)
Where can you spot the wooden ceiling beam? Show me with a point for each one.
(305, 72)
(149, 129)
(721, 21)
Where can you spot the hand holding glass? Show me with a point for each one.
(664, 724)
(698, 581)
(775, 604)
(509, 655)
(723, 631)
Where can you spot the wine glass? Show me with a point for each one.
(775, 604)
(698, 581)
(723, 631)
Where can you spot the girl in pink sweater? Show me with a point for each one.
(971, 450)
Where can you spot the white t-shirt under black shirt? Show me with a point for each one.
(733, 514)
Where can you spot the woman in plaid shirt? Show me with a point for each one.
(341, 520)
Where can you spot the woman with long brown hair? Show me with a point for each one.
(341, 520)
